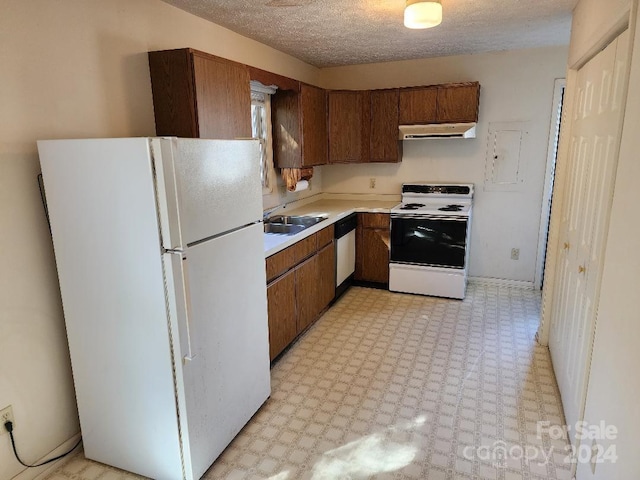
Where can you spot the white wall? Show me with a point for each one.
(515, 86)
(72, 68)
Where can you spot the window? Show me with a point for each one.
(261, 130)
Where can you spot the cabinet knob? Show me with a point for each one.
(581, 269)
(566, 245)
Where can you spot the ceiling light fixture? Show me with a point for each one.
(420, 14)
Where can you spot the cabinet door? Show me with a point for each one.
(346, 126)
(326, 276)
(372, 248)
(375, 265)
(285, 122)
(313, 106)
(418, 105)
(458, 103)
(384, 143)
(325, 236)
(281, 303)
(223, 98)
(307, 293)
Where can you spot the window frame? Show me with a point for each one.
(261, 98)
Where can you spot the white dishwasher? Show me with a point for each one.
(345, 236)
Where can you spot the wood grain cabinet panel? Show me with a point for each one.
(306, 278)
(280, 262)
(198, 95)
(304, 248)
(281, 302)
(372, 248)
(325, 236)
(296, 299)
(326, 276)
(375, 220)
(348, 126)
(299, 121)
(384, 143)
(223, 96)
(314, 125)
(458, 103)
(418, 105)
(174, 96)
(449, 103)
(375, 267)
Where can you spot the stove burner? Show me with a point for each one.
(451, 208)
(412, 206)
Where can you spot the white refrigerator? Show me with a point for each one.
(159, 249)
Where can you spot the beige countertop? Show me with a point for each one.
(334, 210)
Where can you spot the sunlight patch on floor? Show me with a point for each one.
(369, 455)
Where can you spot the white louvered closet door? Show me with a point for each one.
(593, 154)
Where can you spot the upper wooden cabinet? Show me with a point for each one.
(363, 126)
(299, 121)
(348, 126)
(200, 95)
(384, 145)
(458, 102)
(418, 105)
(450, 103)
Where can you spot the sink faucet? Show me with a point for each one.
(269, 211)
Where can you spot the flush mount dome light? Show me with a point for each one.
(420, 14)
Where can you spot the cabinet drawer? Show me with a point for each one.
(304, 248)
(325, 236)
(374, 220)
(280, 262)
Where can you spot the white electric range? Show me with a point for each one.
(430, 239)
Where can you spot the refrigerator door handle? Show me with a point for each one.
(179, 283)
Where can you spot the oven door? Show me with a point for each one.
(438, 241)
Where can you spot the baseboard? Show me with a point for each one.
(43, 471)
(501, 282)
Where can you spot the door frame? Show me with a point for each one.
(549, 179)
(562, 174)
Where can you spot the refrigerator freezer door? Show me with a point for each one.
(102, 207)
(210, 186)
(228, 377)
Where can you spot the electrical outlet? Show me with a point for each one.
(372, 182)
(6, 415)
(515, 253)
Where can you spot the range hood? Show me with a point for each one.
(438, 130)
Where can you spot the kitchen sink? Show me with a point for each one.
(290, 224)
(306, 221)
(283, 229)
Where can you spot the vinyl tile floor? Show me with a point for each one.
(394, 386)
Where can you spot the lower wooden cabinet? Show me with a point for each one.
(372, 248)
(298, 297)
(306, 292)
(326, 276)
(281, 303)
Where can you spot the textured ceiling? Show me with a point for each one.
(345, 32)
